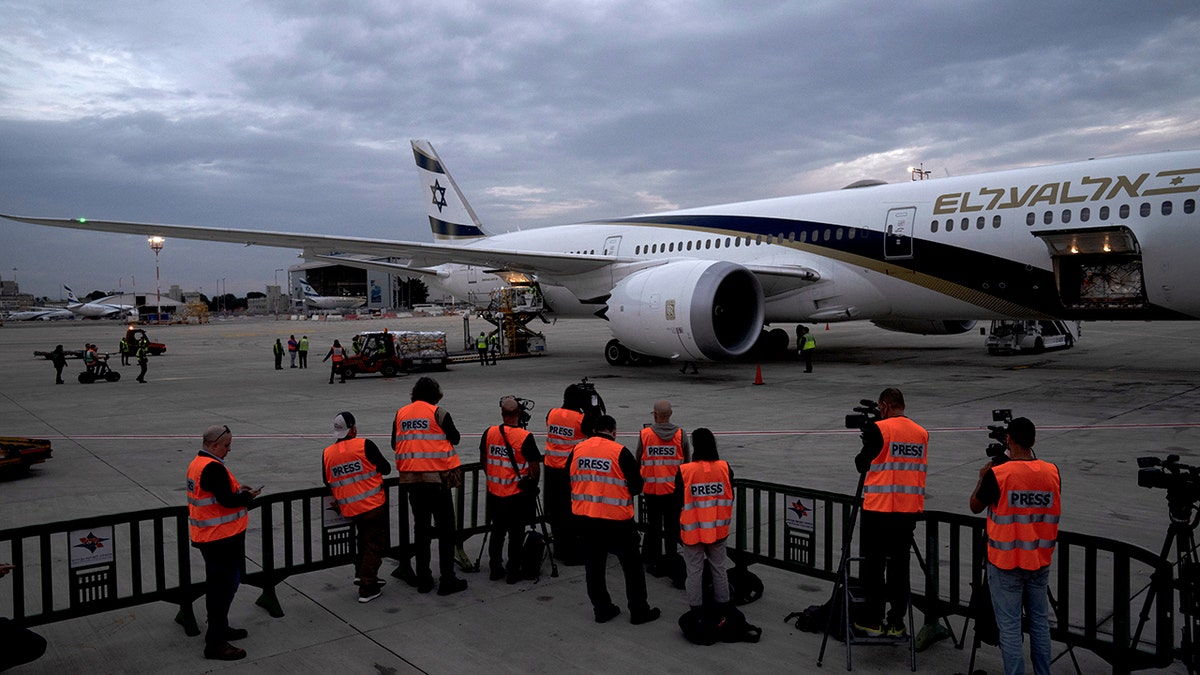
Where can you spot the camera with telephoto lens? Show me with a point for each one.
(998, 432)
(1168, 474)
(865, 413)
(524, 405)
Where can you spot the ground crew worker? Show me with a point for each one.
(217, 517)
(143, 359)
(89, 357)
(59, 359)
(604, 481)
(564, 430)
(292, 346)
(805, 344)
(511, 462)
(1023, 498)
(662, 448)
(277, 349)
(302, 350)
(893, 460)
(123, 348)
(353, 470)
(424, 436)
(338, 354)
(493, 348)
(707, 488)
(481, 345)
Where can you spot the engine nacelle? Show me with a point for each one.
(926, 326)
(692, 309)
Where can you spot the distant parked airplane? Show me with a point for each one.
(98, 309)
(312, 299)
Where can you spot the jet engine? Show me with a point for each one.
(693, 310)
(926, 326)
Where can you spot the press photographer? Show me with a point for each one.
(512, 464)
(893, 460)
(1023, 498)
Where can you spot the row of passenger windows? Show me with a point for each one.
(826, 234)
(1085, 214)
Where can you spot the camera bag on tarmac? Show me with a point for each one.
(709, 625)
(533, 552)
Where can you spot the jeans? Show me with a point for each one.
(1010, 590)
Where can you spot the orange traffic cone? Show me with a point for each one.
(758, 374)
(827, 326)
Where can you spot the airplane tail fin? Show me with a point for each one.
(450, 216)
(71, 299)
(307, 289)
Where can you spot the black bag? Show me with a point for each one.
(984, 614)
(700, 626)
(816, 617)
(533, 552)
(744, 586)
(733, 627)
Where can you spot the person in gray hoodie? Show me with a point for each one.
(662, 448)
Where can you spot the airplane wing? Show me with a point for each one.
(316, 245)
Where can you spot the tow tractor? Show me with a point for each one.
(135, 335)
(1010, 336)
(391, 353)
(19, 454)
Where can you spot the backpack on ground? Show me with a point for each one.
(533, 552)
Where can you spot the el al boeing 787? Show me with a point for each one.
(1104, 239)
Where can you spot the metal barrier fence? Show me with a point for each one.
(75, 568)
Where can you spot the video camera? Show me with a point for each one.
(524, 405)
(865, 413)
(998, 433)
(1167, 473)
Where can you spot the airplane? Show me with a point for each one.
(1101, 239)
(40, 314)
(328, 301)
(98, 309)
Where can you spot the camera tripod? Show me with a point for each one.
(1180, 533)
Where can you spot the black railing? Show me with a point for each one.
(75, 568)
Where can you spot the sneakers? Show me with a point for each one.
(645, 616)
(451, 585)
(874, 630)
(224, 652)
(369, 593)
(894, 630)
(605, 613)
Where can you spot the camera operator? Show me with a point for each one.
(1022, 496)
(893, 459)
(511, 462)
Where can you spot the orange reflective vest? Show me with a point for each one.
(207, 519)
(421, 443)
(1022, 527)
(501, 478)
(357, 487)
(895, 482)
(660, 461)
(338, 354)
(564, 430)
(598, 487)
(707, 502)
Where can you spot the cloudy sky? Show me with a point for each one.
(296, 115)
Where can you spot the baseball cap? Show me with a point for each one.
(341, 425)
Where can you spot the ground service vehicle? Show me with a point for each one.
(135, 335)
(391, 353)
(100, 371)
(19, 454)
(1012, 336)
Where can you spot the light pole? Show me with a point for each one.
(156, 244)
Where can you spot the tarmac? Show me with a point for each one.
(1126, 390)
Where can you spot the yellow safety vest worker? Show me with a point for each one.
(564, 430)
(207, 519)
(809, 342)
(895, 482)
(501, 478)
(660, 461)
(357, 486)
(481, 342)
(598, 487)
(421, 443)
(707, 502)
(1022, 527)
